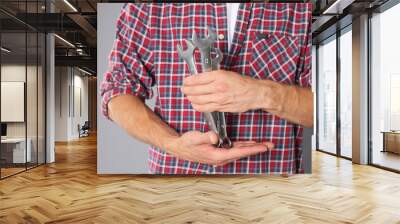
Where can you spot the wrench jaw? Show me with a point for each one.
(187, 55)
(225, 143)
(204, 46)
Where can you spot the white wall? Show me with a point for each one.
(80, 103)
(61, 103)
(33, 126)
(314, 89)
(16, 73)
(68, 82)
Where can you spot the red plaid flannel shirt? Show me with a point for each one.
(144, 55)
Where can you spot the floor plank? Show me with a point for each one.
(70, 191)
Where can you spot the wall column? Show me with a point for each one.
(360, 90)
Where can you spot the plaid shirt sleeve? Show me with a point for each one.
(130, 60)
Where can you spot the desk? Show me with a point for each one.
(13, 150)
(391, 141)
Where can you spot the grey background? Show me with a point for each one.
(117, 152)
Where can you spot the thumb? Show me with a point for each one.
(209, 137)
(269, 145)
(213, 137)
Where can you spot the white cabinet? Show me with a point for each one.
(17, 147)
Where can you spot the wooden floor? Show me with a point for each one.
(5, 172)
(387, 159)
(70, 191)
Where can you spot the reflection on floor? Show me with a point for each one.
(70, 191)
(11, 169)
(387, 159)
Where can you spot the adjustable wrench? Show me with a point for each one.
(225, 142)
(215, 120)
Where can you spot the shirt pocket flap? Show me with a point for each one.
(275, 57)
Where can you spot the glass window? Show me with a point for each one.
(31, 99)
(41, 98)
(22, 91)
(385, 87)
(327, 96)
(346, 93)
(15, 150)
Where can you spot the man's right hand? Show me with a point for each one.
(199, 147)
(141, 122)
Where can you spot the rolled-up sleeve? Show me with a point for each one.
(130, 61)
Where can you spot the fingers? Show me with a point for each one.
(196, 90)
(246, 150)
(199, 79)
(244, 143)
(269, 145)
(200, 147)
(207, 107)
(240, 150)
(210, 98)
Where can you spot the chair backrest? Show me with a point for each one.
(86, 125)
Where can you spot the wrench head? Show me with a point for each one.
(225, 143)
(207, 42)
(188, 53)
(211, 34)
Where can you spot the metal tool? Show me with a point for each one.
(188, 56)
(225, 142)
(215, 120)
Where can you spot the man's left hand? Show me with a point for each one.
(223, 91)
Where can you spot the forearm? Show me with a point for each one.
(289, 102)
(141, 122)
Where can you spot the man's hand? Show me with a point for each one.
(227, 91)
(223, 91)
(198, 147)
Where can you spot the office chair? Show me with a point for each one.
(84, 130)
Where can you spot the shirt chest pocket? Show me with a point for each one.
(274, 57)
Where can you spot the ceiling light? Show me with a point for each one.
(84, 71)
(5, 50)
(65, 41)
(70, 5)
(337, 7)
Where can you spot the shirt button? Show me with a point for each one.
(221, 36)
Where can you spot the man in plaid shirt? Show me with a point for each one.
(263, 84)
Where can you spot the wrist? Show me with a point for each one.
(272, 96)
(257, 90)
(170, 143)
